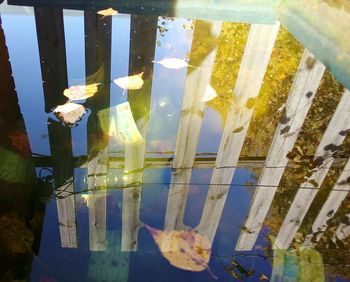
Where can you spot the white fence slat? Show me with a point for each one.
(97, 177)
(177, 199)
(134, 160)
(300, 98)
(339, 192)
(192, 113)
(187, 138)
(304, 197)
(66, 216)
(254, 63)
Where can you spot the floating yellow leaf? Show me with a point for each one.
(119, 123)
(107, 12)
(80, 92)
(69, 113)
(186, 249)
(173, 63)
(132, 82)
(209, 94)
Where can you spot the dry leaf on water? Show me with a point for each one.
(107, 12)
(173, 63)
(80, 92)
(133, 82)
(69, 113)
(263, 277)
(186, 249)
(209, 94)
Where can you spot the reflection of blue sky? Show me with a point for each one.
(211, 132)
(75, 264)
(25, 62)
(119, 64)
(167, 88)
(75, 54)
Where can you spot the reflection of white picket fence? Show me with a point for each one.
(254, 63)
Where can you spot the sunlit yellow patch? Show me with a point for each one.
(85, 198)
(118, 122)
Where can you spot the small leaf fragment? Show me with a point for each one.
(238, 129)
(263, 277)
(284, 119)
(310, 62)
(330, 213)
(250, 103)
(107, 12)
(313, 183)
(285, 130)
(332, 147)
(309, 94)
(344, 132)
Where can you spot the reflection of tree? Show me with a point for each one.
(277, 82)
(279, 77)
(231, 45)
(203, 42)
(321, 111)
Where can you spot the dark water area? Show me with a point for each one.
(144, 145)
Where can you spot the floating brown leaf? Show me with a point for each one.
(133, 82)
(80, 92)
(107, 12)
(186, 249)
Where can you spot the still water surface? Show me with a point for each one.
(150, 148)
